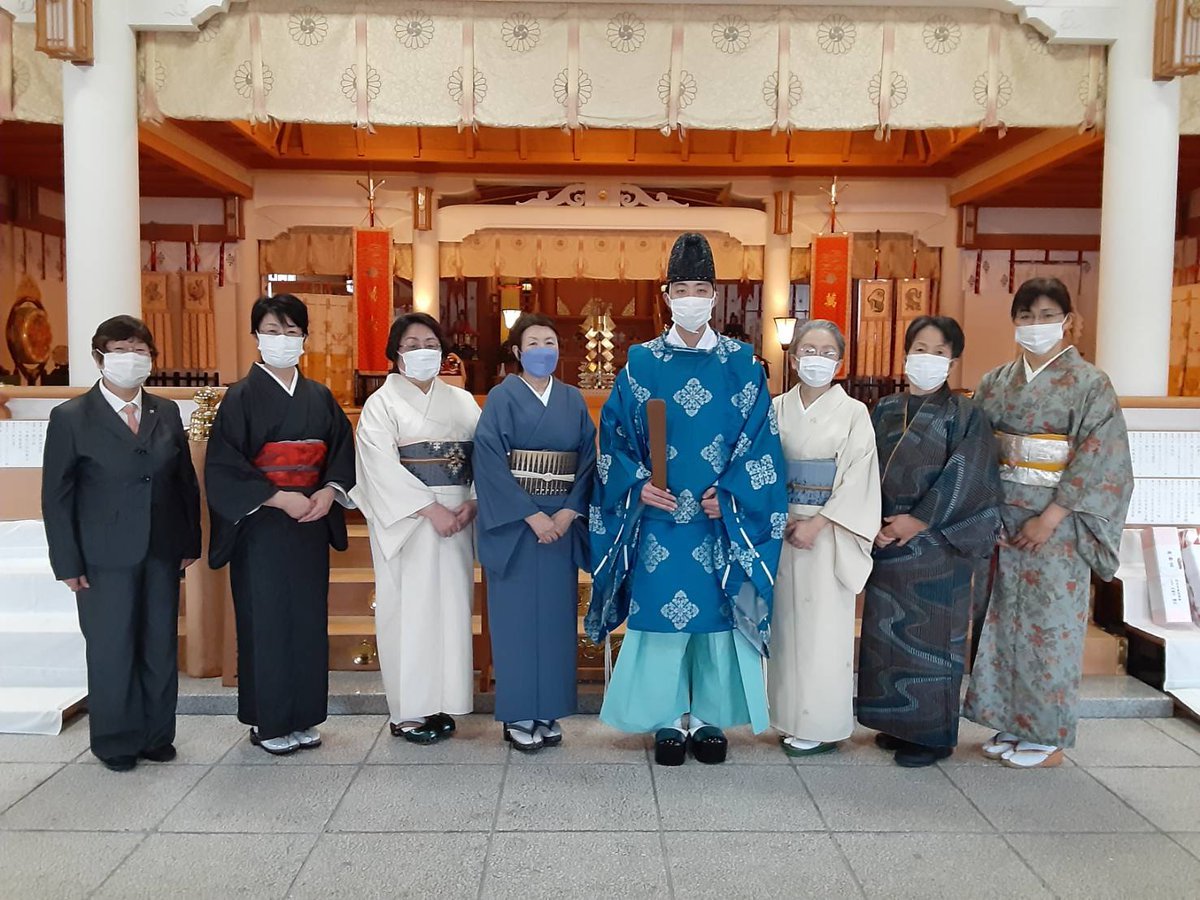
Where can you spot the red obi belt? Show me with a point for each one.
(292, 464)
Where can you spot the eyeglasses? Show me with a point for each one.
(808, 350)
(1045, 317)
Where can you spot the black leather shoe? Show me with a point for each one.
(119, 763)
(890, 743)
(425, 733)
(916, 756)
(709, 745)
(670, 747)
(164, 753)
(444, 724)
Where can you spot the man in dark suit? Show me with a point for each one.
(122, 513)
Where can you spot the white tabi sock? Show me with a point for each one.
(695, 723)
(678, 725)
(802, 744)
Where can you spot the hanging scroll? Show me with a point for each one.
(912, 303)
(874, 327)
(373, 295)
(199, 322)
(830, 279)
(157, 316)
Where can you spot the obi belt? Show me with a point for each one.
(1033, 459)
(439, 463)
(543, 472)
(810, 481)
(292, 464)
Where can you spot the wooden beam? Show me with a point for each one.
(632, 151)
(1040, 154)
(1085, 242)
(188, 154)
(737, 146)
(522, 145)
(848, 147)
(360, 141)
(262, 135)
(184, 234)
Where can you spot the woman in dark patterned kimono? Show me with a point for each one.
(280, 463)
(940, 516)
(1067, 479)
(535, 452)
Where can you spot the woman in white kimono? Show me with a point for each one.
(415, 489)
(833, 515)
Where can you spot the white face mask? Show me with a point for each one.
(281, 351)
(1039, 339)
(925, 371)
(816, 371)
(421, 365)
(127, 370)
(691, 313)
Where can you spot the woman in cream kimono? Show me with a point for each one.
(415, 490)
(833, 515)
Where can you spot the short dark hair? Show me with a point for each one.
(122, 328)
(285, 307)
(951, 331)
(405, 322)
(1035, 288)
(523, 324)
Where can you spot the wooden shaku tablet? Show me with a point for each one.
(656, 419)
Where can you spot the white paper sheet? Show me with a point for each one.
(1165, 501)
(1165, 454)
(21, 443)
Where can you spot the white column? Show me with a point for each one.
(776, 294)
(426, 279)
(100, 175)
(1137, 223)
(249, 289)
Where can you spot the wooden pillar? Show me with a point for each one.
(206, 596)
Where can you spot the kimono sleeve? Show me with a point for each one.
(501, 500)
(963, 502)
(854, 505)
(235, 487)
(339, 461)
(386, 492)
(752, 493)
(1098, 481)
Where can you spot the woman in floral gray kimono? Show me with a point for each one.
(1067, 477)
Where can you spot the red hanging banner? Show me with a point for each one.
(829, 296)
(373, 296)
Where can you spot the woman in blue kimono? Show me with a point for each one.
(535, 451)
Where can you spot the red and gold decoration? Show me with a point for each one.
(874, 327)
(830, 296)
(373, 295)
(912, 299)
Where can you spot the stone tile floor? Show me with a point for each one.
(368, 815)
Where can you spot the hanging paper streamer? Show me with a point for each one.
(156, 313)
(830, 279)
(912, 302)
(874, 327)
(199, 322)
(373, 296)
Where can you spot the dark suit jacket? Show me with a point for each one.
(111, 498)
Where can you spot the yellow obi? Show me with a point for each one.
(1034, 459)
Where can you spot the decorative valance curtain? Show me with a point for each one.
(320, 251)
(608, 256)
(600, 65)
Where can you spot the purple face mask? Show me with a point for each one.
(540, 362)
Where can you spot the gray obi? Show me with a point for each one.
(544, 472)
(810, 481)
(439, 463)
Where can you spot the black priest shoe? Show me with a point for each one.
(918, 756)
(670, 747)
(444, 724)
(709, 745)
(119, 763)
(162, 753)
(426, 732)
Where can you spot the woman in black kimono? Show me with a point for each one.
(535, 452)
(941, 497)
(280, 454)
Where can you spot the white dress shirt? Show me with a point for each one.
(119, 405)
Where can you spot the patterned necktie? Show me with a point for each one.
(131, 417)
